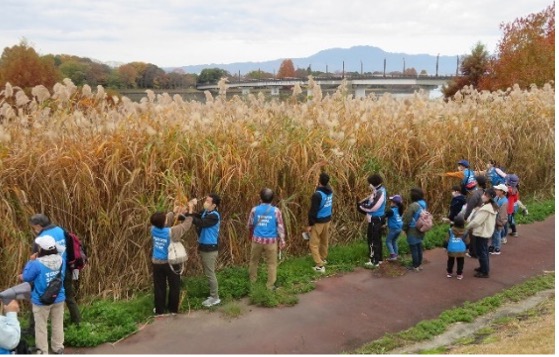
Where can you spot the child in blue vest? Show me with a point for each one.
(455, 244)
(394, 217)
(467, 176)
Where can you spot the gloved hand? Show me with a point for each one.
(75, 274)
(525, 212)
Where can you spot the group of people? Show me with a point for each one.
(479, 219)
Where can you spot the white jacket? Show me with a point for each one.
(483, 221)
(10, 331)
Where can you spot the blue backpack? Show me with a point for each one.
(455, 244)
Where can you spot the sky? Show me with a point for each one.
(191, 32)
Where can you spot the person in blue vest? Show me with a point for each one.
(10, 330)
(495, 175)
(162, 235)
(42, 225)
(414, 235)
(207, 225)
(455, 243)
(502, 218)
(394, 223)
(320, 217)
(467, 176)
(374, 208)
(40, 271)
(265, 222)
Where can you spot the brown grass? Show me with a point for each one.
(532, 334)
(100, 166)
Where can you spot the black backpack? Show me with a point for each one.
(53, 289)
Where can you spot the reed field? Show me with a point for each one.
(100, 165)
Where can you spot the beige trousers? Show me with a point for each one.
(208, 263)
(270, 255)
(318, 243)
(41, 313)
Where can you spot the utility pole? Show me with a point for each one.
(326, 70)
(404, 68)
(437, 66)
(361, 68)
(457, 64)
(239, 76)
(384, 72)
(343, 69)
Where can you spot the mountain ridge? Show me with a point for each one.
(336, 60)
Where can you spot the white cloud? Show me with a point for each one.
(172, 33)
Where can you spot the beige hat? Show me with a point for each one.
(501, 187)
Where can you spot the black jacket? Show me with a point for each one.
(456, 206)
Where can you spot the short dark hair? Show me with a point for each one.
(158, 219)
(375, 179)
(39, 219)
(216, 200)
(43, 252)
(266, 195)
(481, 181)
(416, 194)
(459, 221)
(323, 179)
(456, 188)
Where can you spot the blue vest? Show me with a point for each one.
(42, 280)
(469, 178)
(161, 238)
(380, 212)
(59, 237)
(395, 221)
(325, 205)
(422, 206)
(455, 244)
(209, 235)
(494, 177)
(501, 201)
(4, 351)
(265, 222)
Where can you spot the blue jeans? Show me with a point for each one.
(391, 240)
(482, 251)
(496, 239)
(416, 254)
(510, 223)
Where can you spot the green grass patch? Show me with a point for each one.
(426, 330)
(109, 321)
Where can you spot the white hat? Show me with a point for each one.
(46, 242)
(501, 187)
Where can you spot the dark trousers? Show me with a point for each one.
(75, 316)
(374, 239)
(163, 275)
(459, 265)
(472, 246)
(511, 222)
(482, 254)
(416, 251)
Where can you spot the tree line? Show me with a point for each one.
(525, 56)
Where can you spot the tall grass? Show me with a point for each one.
(100, 165)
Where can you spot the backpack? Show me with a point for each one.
(53, 289)
(425, 221)
(455, 244)
(80, 258)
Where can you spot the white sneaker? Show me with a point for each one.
(318, 269)
(211, 301)
(369, 264)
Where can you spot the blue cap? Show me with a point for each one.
(464, 163)
(396, 198)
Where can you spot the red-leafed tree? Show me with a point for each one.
(286, 69)
(526, 53)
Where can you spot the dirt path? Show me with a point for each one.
(346, 311)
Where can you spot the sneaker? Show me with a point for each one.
(477, 270)
(468, 255)
(59, 352)
(504, 240)
(369, 264)
(324, 262)
(420, 267)
(491, 249)
(496, 252)
(211, 301)
(459, 277)
(449, 275)
(318, 269)
(393, 257)
(411, 268)
(481, 275)
(515, 234)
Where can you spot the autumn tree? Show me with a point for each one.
(22, 66)
(473, 67)
(525, 54)
(286, 69)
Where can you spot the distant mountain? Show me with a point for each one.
(337, 58)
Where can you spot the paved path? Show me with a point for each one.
(346, 311)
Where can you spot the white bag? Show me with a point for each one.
(177, 253)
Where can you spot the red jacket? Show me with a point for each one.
(512, 195)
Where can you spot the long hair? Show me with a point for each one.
(400, 206)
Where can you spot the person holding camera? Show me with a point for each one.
(10, 330)
(47, 266)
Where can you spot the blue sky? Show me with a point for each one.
(176, 33)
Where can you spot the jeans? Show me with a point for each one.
(416, 254)
(392, 240)
(511, 223)
(459, 265)
(482, 254)
(496, 239)
(374, 239)
(163, 276)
